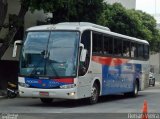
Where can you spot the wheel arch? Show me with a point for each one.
(138, 83)
(99, 83)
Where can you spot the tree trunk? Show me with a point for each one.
(3, 12)
(20, 18)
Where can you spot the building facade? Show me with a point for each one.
(158, 25)
(129, 4)
(31, 19)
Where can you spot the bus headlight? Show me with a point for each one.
(68, 86)
(23, 84)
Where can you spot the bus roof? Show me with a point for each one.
(81, 26)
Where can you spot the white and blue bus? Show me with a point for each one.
(81, 60)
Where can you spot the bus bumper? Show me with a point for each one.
(70, 93)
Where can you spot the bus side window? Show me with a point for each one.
(86, 41)
(126, 48)
(117, 47)
(97, 43)
(133, 49)
(140, 51)
(108, 45)
(146, 52)
(136, 50)
(105, 45)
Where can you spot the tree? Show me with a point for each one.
(3, 12)
(70, 10)
(17, 22)
(133, 23)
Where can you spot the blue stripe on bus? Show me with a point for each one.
(117, 79)
(44, 83)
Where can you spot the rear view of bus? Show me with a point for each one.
(59, 61)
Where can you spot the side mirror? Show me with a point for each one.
(83, 55)
(18, 42)
(82, 68)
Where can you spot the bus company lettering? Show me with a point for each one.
(118, 84)
(53, 82)
(32, 81)
(40, 82)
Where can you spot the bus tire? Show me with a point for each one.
(94, 94)
(134, 93)
(46, 100)
(136, 88)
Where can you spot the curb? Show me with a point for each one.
(2, 97)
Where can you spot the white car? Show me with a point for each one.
(151, 79)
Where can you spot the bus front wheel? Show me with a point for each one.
(94, 94)
(46, 100)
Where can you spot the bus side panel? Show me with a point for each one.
(118, 74)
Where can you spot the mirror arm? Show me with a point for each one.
(15, 47)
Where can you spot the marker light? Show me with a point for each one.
(71, 94)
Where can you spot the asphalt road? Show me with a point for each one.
(108, 106)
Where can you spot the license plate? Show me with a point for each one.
(43, 93)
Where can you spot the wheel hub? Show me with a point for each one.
(94, 93)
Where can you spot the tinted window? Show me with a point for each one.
(140, 51)
(86, 41)
(146, 51)
(133, 50)
(97, 43)
(126, 48)
(108, 45)
(117, 47)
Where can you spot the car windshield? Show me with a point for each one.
(50, 54)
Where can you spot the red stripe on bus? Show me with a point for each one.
(109, 60)
(65, 80)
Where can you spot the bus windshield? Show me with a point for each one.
(51, 54)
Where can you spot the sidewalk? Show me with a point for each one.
(2, 94)
(1, 97)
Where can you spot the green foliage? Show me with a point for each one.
(130, 22)
(69, 10)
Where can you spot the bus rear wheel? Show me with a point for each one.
(94, 94)
(134, 93)
(46, 100)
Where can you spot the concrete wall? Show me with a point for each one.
(129, 4)
(154, 62)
